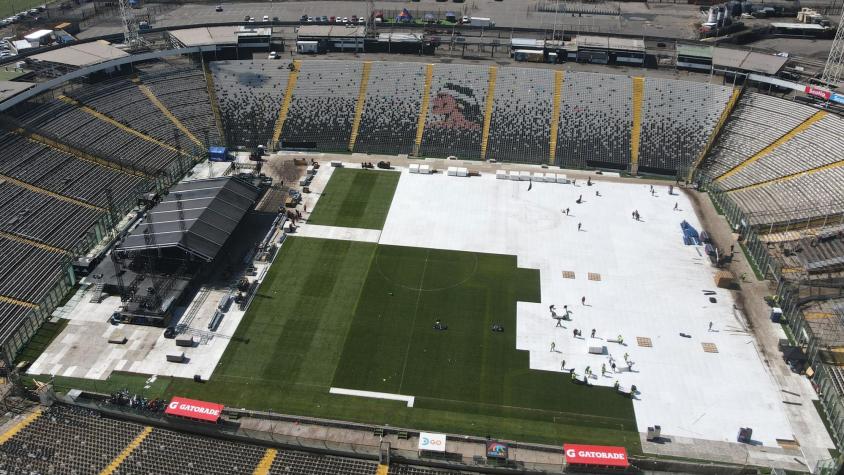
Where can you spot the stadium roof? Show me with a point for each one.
(83, 54)
(747, 61)
(196, 217)
(205, 36)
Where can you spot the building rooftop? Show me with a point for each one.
(331, 31)
(695, 50)
(747, 61)
(216, 35)
(10, 88)
(83, 54)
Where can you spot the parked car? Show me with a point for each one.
(332, 19)
(324, 19)
(219, 8)
(354, 18)
(303, 18)
(246, 18)
(361, 21)
(345, 19)
(266, 18)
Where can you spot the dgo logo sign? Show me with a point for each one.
(193, 409)
(432, 442)
(595, 455)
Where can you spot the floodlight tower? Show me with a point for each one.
(834, 69)
(130, 26)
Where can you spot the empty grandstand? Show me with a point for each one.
(250, 94)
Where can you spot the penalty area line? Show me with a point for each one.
(373, 394)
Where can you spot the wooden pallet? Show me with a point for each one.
(644, 341)
(709, 347)
(594, 276)
(567, 274)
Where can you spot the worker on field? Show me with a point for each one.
(603, 369)
(593, 333)
(616, 385)
(563, 365)
(553, 346)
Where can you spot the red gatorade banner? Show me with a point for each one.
(595, 455)
(818, 92)
(184, 407)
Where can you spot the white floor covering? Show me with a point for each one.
(651, 285)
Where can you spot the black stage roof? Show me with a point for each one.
(196, 217)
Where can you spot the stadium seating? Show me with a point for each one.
(183, 90)
(42, 218)
(166, 451)
(123, 101)
(84, 131)
(391, 108)
(756, 122)
(819, 145)
(455, 117)
(677, 119)
(302, 463)
(249, 94)
(64, 174)
(66, 440)
(804, 197)
(20, 262)
(323, 106)
(596, 117)
(520, 127)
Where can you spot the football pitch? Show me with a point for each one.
(356, 199)
(360, 315)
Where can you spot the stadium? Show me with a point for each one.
(412, 266)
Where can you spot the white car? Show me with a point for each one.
(266, 18)
(345, 19)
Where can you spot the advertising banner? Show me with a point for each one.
(595, 455)
(432, 442)
(193, 409)
(496, 450)
(818, 92)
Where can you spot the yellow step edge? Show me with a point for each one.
(382, 469)
(117, 124)
(38, 189)
(285, 103)
(728, 109)
(636, 130)
(490, 102)
(263, 467)
(175, 120)
(792, 176)
(13, 431)
(30, 242)
(559, 78)
(126, 452)
(423, 109)
(770, 148)
(212, 96)
(364, 81)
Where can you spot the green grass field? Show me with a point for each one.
(356, 199)
(360, 315)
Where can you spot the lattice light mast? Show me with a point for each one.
(834, 69)
(130, 26)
